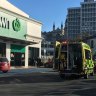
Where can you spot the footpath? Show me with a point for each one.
(20, 71)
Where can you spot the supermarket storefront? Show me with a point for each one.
(15, 37)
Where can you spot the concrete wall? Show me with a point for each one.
(6, 5)
(34, 29)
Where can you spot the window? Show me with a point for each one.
(92, 44)
(42, 45)
(34, 52)
(51, 46)
(64, 47)
(87, 54)
(42, 52)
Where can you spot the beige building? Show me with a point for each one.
(20, 36)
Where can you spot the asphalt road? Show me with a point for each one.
(46, 84)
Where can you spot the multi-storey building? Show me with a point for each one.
(73, 23)
(88, 17)
(81, 21)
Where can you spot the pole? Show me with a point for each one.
(67, 48)
(67, 52)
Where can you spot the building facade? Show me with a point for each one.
(48, 42)
(81, 21)
(47, 51)
(20, 36)
(73, 23)
(88, 17)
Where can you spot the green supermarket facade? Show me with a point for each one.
(20, 36)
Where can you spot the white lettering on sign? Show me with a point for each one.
(4, 22)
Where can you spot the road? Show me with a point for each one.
(45, 83)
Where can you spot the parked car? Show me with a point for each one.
(4, 65)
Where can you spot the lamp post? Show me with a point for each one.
(44, 50)
(44, 54)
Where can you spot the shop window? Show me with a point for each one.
(34, 52)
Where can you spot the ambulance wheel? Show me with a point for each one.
(92, 74)
(62, 76)
(86, 76)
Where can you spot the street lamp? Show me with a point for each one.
(44, 52)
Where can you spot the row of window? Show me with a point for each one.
(74, 16)
(89, 19)
(88, 23)
(47, 45)
(73, 27)
(73, 31)
(72, 19)
(88, 28)
(89, 15)
(74, 24)
(72, 37)
(74, 11)
(89, 33)
(88, 5)
(48, 53)
(88, 9)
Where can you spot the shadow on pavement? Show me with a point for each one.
(86, 92)
(90, 81)
(31, 78)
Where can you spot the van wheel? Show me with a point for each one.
(86, 76)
